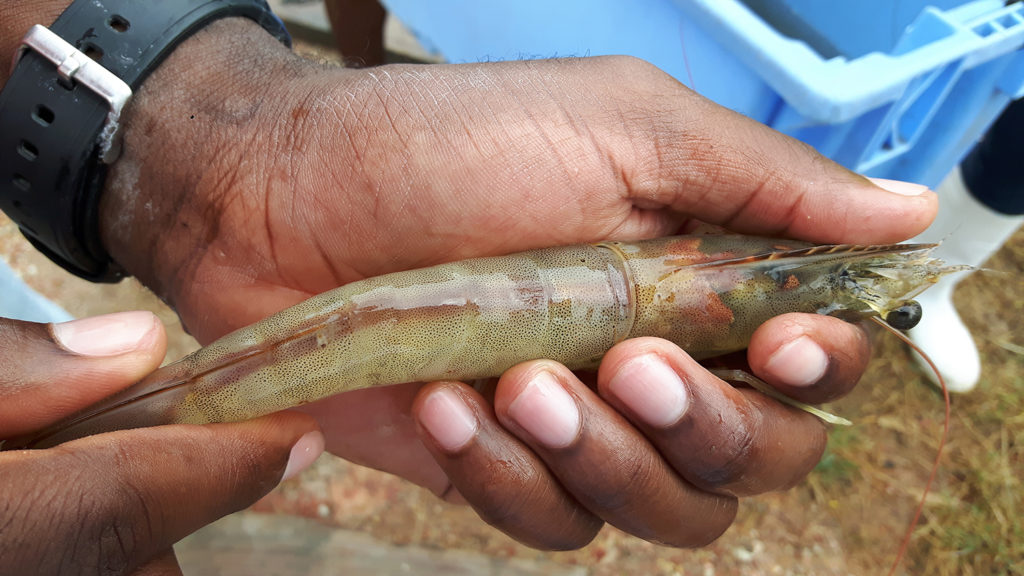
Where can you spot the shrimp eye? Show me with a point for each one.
(905, 317)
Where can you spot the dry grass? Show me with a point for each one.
(972, 522)
(975, 524)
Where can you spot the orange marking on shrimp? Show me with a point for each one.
(685, 251)
(708, 309)
(717, 310)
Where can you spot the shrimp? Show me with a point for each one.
(477, 318)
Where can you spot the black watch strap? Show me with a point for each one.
(59, 113)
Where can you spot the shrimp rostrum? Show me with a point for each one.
(477, 318)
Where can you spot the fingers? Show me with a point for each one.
(809, 357)
(505, 482)
(661, 451)
(605, 462)
(50, 371)
(567, 459)
(118, 500)
(719, 438)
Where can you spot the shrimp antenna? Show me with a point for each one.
(942, 442)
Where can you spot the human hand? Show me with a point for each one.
(116, 503)
(251, 180)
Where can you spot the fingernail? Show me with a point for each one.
(799, 363)
(547, 412)
(448, 420)
(651, 389)
(105, 335)
(899, 187)
(303, 453)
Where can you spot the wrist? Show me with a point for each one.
(185, 134)
(207, 68)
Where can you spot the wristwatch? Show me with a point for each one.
(60, 113)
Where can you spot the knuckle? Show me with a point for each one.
(112, 519)
(63, 526)
(634, 473)
(490, 496)
(720, 465)
(23, 515)
(510, 497)
(559, 531)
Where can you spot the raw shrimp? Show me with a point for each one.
(477, 318)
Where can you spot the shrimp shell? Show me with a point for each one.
(477, 318)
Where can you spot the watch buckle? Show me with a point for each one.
(74, 66)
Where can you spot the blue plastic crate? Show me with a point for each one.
(23, 303)
(890, 89)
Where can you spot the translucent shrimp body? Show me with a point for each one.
(477, 318)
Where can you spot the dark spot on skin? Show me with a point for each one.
(299, 113)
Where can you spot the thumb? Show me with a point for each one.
(119, 499)
(52, 370)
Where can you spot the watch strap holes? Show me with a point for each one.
(28, 150)
(21, 183)
(118, 23)
(43, 115)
